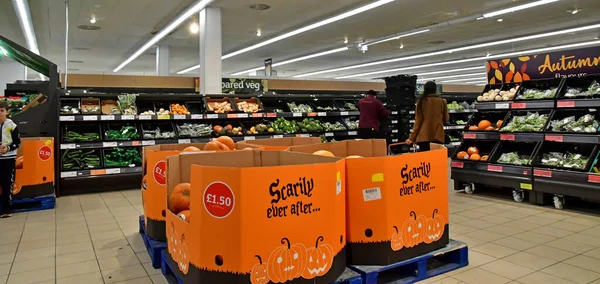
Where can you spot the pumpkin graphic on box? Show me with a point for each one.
(286, 262)
(396, 240)
(435, 227)
(259, 272)
(144, 180)
(184, 261)
(319, 260)
(412, 230)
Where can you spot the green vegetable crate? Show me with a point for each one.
(81, 159)
(75, 133)
(121, 132)
(346, 105)
(122, 157)
(526, 121)
(578, 157)
(514, 153)
(538, 90)
(587, 87)
(574, 121)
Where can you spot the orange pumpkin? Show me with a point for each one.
(144, 182)
(218, 128)
(462, 155)
(19, 163)
(499, 123)
(411, 231)
(323, 153)
(475, 157)
(259, 272)
(286, 262)
(191, 149)
(319, 261)
(179, 199)
(473, 128)
(353, 157)
(185, 215)
(484, 158)
(184, 262)
(472, 150)
(396, 240)
(490, 128)
(439, 223)
(484, 124)
(227, 141)
(214, 146)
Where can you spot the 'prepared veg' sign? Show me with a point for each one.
(240, 86)
(567, 63)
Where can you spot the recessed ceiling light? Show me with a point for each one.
(345, 40)
(399, 36)
(258, 32)
(194, 28)
(81, 48)
(401, 46)
(259, 7)
(92, 20)
(575, 11)
(76, 61)
(518, 8)
(89, 27)
(500, 20)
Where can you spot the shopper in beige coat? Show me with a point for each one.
(430, 117)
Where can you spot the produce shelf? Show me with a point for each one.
(560, 182)
(572, 138)
(116, 117)
(99, 172)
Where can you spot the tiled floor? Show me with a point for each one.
(94, 238)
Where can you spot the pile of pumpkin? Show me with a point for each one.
(329, 154)
(486, 125)
(472, 154)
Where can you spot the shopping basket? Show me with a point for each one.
(401, 148)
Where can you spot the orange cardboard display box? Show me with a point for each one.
(282, 143)
(397, 205)
(258, 217)
(154, 191)
(34, 174)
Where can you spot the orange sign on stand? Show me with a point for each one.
(282, 144)
(397, 205)
(258, 217)
(34, 174)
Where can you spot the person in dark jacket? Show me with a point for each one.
(430, 117)
(9, 143)
(371, 112)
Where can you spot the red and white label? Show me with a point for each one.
(556, 138)
(160, 172)
(469, 136)
(509, 137)
(594, 178)
(542, 173)
(494, 168)
(218, 200)
(45, 153)
(565, 104)
(456, 164)
(518, 105)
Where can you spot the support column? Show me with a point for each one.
(210, 50)
(162, 60)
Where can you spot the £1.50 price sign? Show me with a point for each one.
(218, 199)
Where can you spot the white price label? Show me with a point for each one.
(328, 134)
(321, 114)
(212, 116)
(338, 187)
(502, 106)
(297, 114)
(113, 171)
(90, 117)
(371, 194)
(68, 174)
(184, 141)
(67, 118)
(344, 113)
(68, 146)
(277, 136)
(304, 135)
(196, 116)
(249, 138)
(394, 130)
(107, 117)
(394, 140)
(145, 117)
(109, 144)
(394, 112)
(179, 116)
(394, 121)
(242, 115)
(127, 117)
(148, 143)
(352, 133)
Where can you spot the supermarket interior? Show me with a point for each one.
(348, 142)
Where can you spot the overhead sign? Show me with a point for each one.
(269, 67)
(23, 56)
(240, 86)
(566, 63)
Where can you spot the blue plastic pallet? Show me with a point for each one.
(348, 277)
(453, 256)
(153, 247)
(33, 204)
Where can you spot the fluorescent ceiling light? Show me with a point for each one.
(398, 37)
(311, 27)
(518, 8)
(478, 77)
(24, 15)
(451, 71)
(482, 58)
(189, 69)
(190, 11)
(453, 76)
(447, 51)
(292, 60)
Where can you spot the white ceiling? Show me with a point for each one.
(127, 24)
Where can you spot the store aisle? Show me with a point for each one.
(94, 239)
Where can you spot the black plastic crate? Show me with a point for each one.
(571, 150)
(208, 102)
(522, 150)
(545, 85)
(501, 87)
(122, 152)
(81, 133)
(253, 100)
(224, 124)
(484, 148)
(346, 104)
(124, 129)
(158, 130)
(564, 120)
(187, 129)
(145, 106)
(512, 114)
(195, 107)
(70, 106)
(76, 157)
(300, 105)
(333, 121)
(494, 117)
(261, 127)
(274, 105)
(324, 105)
(579, 84)
(351, 123)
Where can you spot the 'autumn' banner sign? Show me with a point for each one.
(566, 63)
